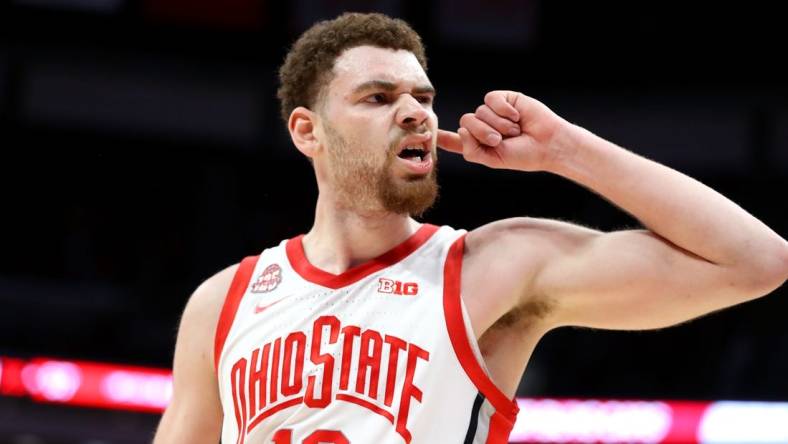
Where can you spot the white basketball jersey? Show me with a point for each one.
(382, 353)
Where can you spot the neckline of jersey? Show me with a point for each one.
(299, 262)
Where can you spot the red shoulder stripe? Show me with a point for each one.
(459, 339)
(237, 289)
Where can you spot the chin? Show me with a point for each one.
(414, 197)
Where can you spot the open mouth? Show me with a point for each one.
(413, 153)
(417, 159)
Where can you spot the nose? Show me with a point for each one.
(411, 114)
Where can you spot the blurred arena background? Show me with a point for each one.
(142, 151)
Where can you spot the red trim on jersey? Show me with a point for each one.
(500, 428)
(367, 405)
(299, 262)
(459, 337)
(237, 289)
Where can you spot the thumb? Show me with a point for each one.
(449, 141)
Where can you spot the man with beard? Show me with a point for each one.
(375, 328)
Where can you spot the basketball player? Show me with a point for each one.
(375, 328)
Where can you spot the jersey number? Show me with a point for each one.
(285, 436)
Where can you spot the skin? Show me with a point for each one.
(699, 252)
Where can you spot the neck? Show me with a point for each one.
(342, 238)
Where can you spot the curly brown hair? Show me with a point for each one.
(309, 65)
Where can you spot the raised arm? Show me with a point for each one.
(700, 251)
(195, 413)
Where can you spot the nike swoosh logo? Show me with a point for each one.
(261, 308)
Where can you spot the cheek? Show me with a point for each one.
(369, 148)
(371, 136)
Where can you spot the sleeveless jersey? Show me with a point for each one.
(382, 353)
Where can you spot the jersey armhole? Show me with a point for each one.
(459, 335)
(231, 301)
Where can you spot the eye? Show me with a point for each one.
(424, 99)
(377, 98)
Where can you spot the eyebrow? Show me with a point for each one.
(391, 86)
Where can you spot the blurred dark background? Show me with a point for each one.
(142, 151)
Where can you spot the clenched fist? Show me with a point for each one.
(510, 130)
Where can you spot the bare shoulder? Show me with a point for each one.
(524, 242)
(513, 251)
(543, 232)
(201, 315)
(208, 298)
(194, 414)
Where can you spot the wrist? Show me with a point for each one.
(566, 145)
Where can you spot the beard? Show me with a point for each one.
(365, 184)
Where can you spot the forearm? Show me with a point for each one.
(671, 204)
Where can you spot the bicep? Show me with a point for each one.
(195, 413)
(633, 279)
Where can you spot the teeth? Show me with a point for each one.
(415, 153)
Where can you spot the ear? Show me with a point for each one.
(302, 125)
